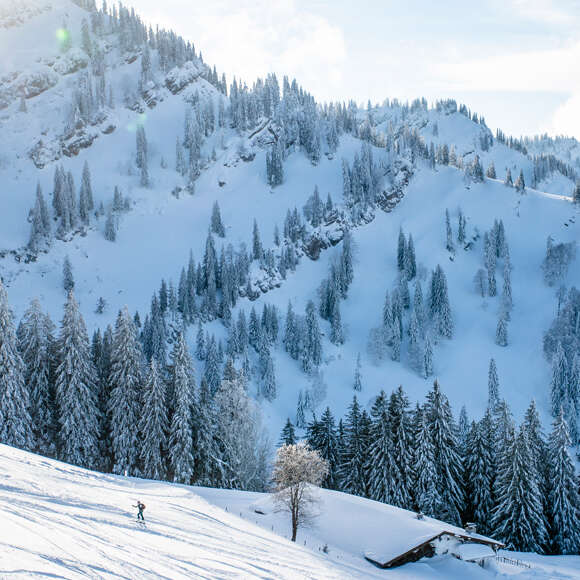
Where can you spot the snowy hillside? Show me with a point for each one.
(350, 526)
(68, 522)
(156, 236)
(64, 521)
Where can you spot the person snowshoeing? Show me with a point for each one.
(140, 506)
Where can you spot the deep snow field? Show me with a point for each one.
(66, 522)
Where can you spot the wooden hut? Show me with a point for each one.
(411, 546)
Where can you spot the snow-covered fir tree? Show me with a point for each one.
(563, 498)
(415, 351)
(142, 157)
(16, 427)
(382, 469)
(447, 458)
(86, 203)
(492, 386)
(480, 282)
(418, 307)
(410, 260)
(401, 250)
(336, 332)
(268, 386)
(76, 391)
(36, 345)
(217, 226)
(426, 488)
(477, 170)
(110, 232)
(40, 223)
(68, 282)
(312, 346)
(352, 468)
(181, 430)
(357, 383)
(518, 518)
(520, 183)
(559, 382)
(212, 371)
(125, 380)
(439, 307)
(461, 227)
(463, 430)
(506, 296)
(300, 411)
(323, 437)
(508, 182)
(480, 470)
(288, 434)
(501, 331)
(427, 359)
(402, 447)
(346, 263)
(257, 248)
(448, 232)
(154, 425)
(274, 165)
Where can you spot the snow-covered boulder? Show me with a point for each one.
(44, 152)
(33, 83)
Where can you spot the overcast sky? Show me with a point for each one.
(515, 61)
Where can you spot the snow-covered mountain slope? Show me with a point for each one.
(64, 521)
(157, 234)
(448, 124)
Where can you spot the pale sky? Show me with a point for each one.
(517, 62)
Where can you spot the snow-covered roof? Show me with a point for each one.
(408, 548)
(402, 532)
(470, 552)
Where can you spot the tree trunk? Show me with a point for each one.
(294, 526)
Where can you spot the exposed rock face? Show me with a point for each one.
(71, 62)
(79, 141)
(315, 241)
(26, 84)
(178, 78)
(46, 151)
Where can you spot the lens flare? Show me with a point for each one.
(139, 121)
(63, 38)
